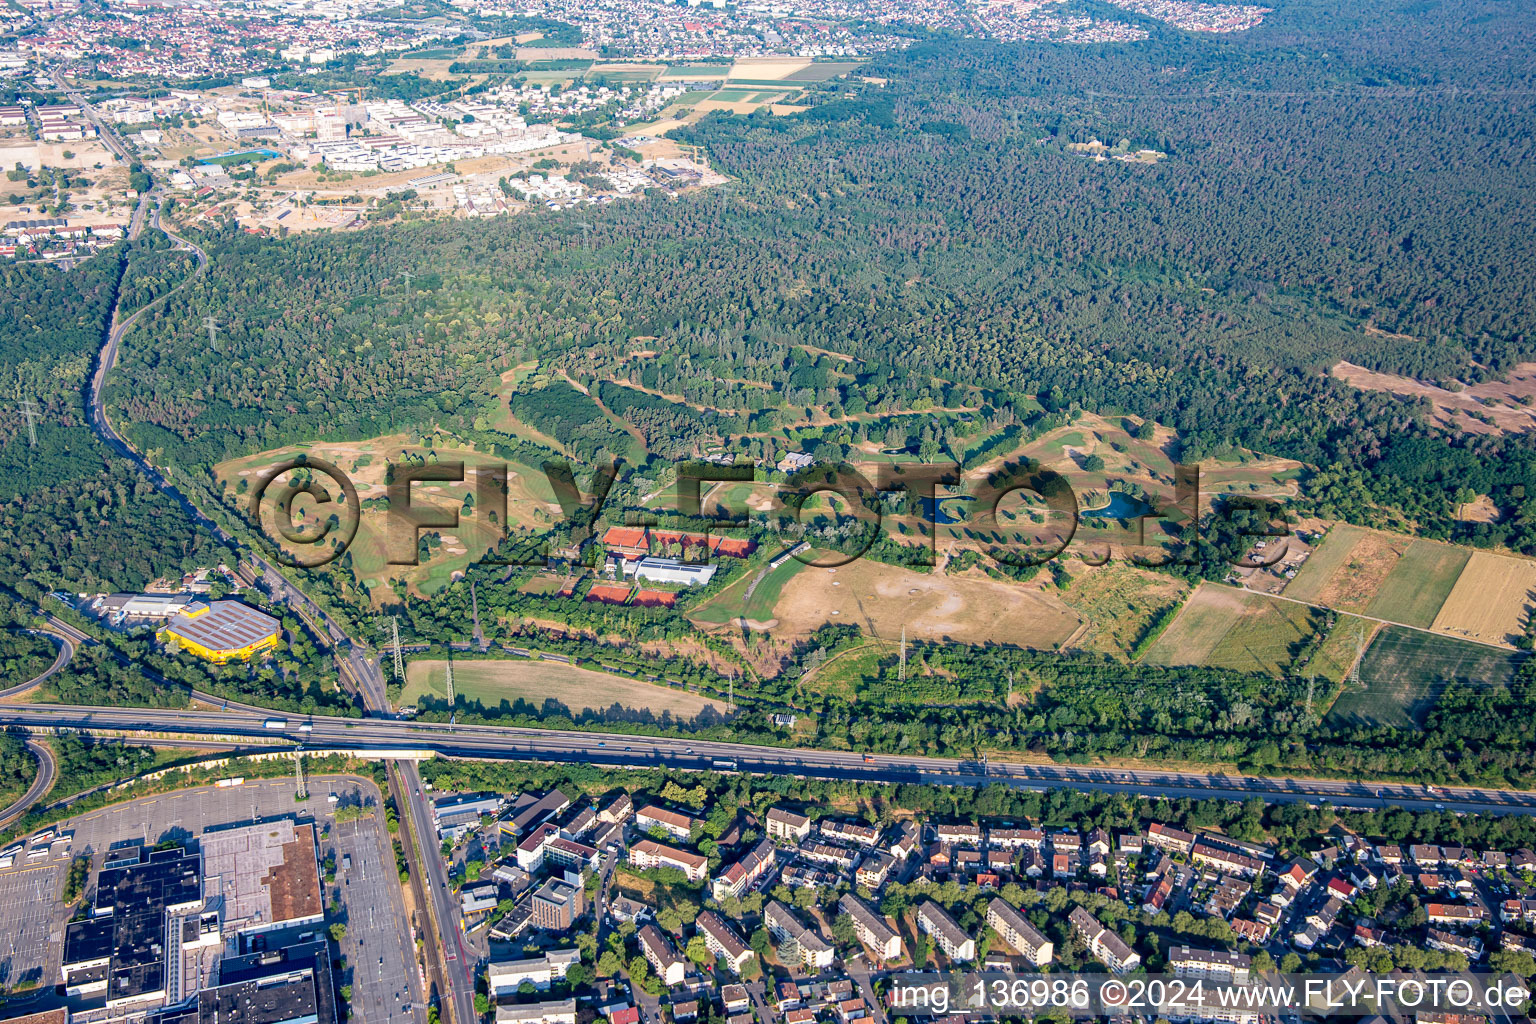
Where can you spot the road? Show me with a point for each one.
(66, 651)
(619, 750)
(453, 964)
(47, 770)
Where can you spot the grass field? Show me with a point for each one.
(1490, 600)
(1419, 584)
(1119, 602)
(1405, 671)
(491, 682)
(765, 585)
(855, 675)
(1225, 628)
(881, 599)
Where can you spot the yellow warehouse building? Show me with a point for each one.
(222, 631)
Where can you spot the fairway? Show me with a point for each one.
(1490, 599)
(751, 598)
(491, 682)
(1405, 671)
(530, 504)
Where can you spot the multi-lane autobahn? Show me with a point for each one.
(389, 735)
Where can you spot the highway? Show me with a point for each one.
(625, 751)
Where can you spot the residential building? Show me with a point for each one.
(647, 853)
(673, 823)
(506, 977)
(1210, 965)
(722, 940)
(1022, 936)
(658, 952)
(795, 939)
(935, 921)
(871, 927)
(740, 876)
(787, 825)
(1104, 944)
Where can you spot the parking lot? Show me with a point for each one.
(32, 931)
(32, 918)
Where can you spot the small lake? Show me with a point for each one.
(1121, 506)
(935, 512)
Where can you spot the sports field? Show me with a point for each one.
(1406, 670)
(1490, 600)
(1225, 628)
(491, 682)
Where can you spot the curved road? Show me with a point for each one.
(384, 736)
(47, 769)
(66, 652)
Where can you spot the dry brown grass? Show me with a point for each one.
(1490, 599)
(881, 599)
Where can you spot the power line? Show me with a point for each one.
(29, 410)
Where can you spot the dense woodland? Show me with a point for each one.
(938, 230)
(73, 516)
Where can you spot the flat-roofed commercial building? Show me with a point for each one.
(222, 631)
(260, 878)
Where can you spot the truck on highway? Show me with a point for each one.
(306, 727)
(275, 723)
(725, 766)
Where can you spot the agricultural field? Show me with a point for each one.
(531, 504)
(1492, 599)
(1221, 627)
(883, 599)
(1383, 575)
(491, 682)
(1405, 671)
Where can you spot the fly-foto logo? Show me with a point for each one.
(1022, 515)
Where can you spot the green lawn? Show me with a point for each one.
(1419, 584)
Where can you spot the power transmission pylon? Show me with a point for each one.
(301, 791)
(451, 699)
(1354, 670)
(213, 331)
(903, 677)
(29, 410)
(1311, 685)
(394, 625)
